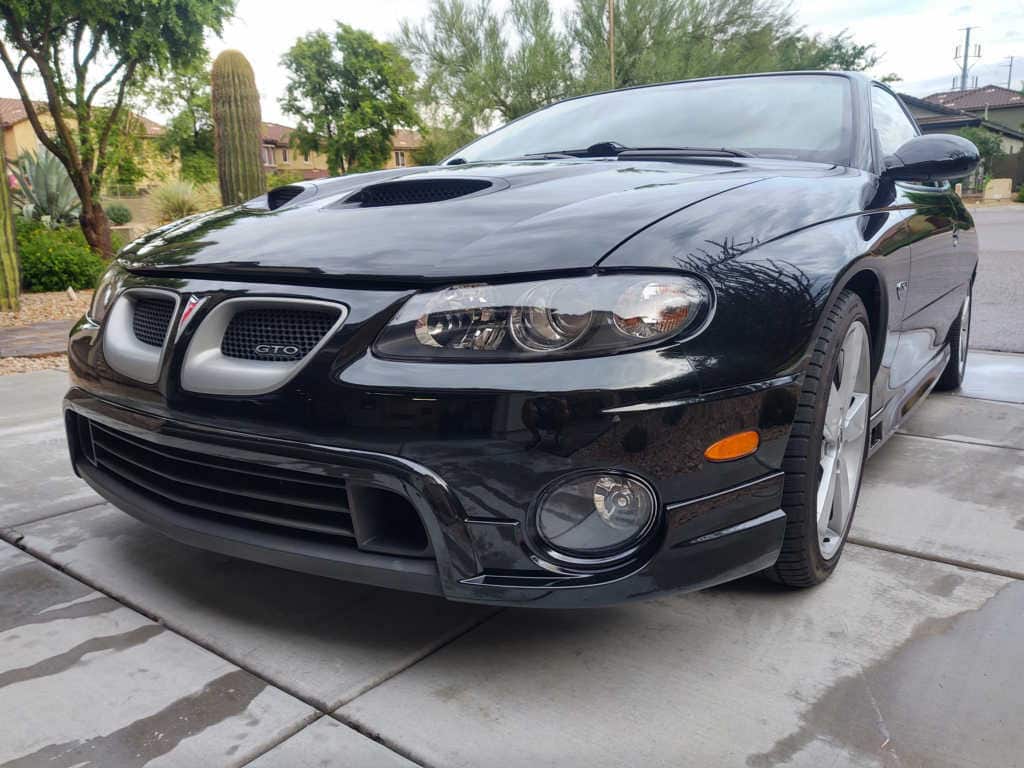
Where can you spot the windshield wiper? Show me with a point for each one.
(615, 149)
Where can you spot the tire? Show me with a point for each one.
(828, 443)
(959, 340)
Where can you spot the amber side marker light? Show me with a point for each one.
(733, 447)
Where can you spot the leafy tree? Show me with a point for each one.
(85, 50)
(470, 67)
(185, 93)
(349, 92)
(468, 64)
(988, 144)
(441, 141)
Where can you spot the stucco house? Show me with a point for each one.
(19, 136)
(993, 103)
(279, 156)
(933, 117)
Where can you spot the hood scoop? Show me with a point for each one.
(415, 191)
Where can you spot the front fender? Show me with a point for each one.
(771, 296)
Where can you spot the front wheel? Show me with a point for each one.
(827, 447)
(959, 337)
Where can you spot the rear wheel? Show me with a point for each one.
(959, 338)
(827, 448)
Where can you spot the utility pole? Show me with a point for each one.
(611, 37)
(1009, 73)
(967, 55)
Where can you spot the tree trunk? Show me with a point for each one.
(96, 228)
(10, 281)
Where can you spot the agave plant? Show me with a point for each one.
(45, 191)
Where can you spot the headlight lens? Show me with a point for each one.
(105, 293)
(574, 317)
(596, 515)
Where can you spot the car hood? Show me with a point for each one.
(534, 217)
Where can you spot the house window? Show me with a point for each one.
(399, 158)
(284, 155)
(268, 155)
(305, 157)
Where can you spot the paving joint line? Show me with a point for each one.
(952, 561)
(52, 515)
(378, 738)
(289, 733)
(958, 441)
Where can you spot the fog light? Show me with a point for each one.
(596, 515)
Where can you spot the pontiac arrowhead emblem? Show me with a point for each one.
(193, 303)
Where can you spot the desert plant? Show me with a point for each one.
(235, 104)
(54, 259)
(45, 191)
(118, 214)
(177, 199)
(9, 281)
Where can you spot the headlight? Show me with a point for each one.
(574, 317)
(106, 292)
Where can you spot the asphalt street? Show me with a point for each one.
(121, 648)
(999, 290)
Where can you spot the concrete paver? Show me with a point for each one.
(45, 338)
(969, 420)
(894, 661)
(994, 376)
(944, 499)
(87, 681)
(327, 743)
(325, 640)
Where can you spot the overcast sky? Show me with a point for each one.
(916, 38)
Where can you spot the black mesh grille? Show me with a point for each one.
(151, 319)
(412, 192)
(276, 334)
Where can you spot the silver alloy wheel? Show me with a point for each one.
(965, 332)
(843, 439)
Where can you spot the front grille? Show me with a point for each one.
(276, 334)
(151, 318)
(416, 191)
(209, 486)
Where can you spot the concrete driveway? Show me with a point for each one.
(119, 647)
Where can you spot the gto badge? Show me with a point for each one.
(281, 350)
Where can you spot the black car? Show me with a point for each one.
(636, 341)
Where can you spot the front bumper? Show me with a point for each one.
(466, 448)
(700, 542)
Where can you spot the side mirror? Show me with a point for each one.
(932, 157)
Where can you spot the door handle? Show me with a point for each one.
(901, 288)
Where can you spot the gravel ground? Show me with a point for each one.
(37, 307)
(9, 365)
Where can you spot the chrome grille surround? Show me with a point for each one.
(129, 344)
(209, 368)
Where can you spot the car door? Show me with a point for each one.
(937, 283)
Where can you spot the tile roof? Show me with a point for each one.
(13, 111)
(275, 133)
(992, 96)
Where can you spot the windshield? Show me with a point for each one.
(801, 117)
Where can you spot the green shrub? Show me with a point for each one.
(1020, 194)
(198, 167)
(118, 214)
(53, 259)
(177, 199)
(281, 178)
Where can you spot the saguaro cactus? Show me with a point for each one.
(235, 105)
(10, 284)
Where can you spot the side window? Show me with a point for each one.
(891, 123)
